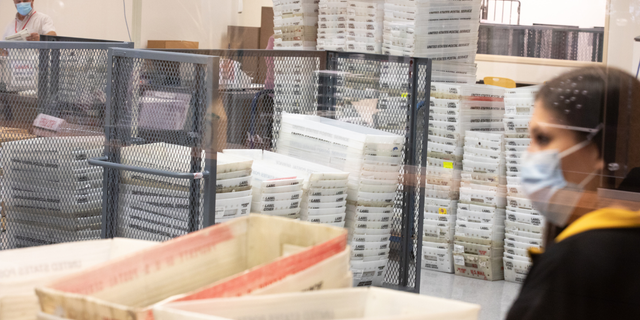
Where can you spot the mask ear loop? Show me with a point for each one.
(581, 144)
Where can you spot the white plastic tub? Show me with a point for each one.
(360, 303)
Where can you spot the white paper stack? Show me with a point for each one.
(524, 226)
(478, 246)
(295, 24)
(51, 193)
(373, 158)
(332, 25)
(152, 206)
(322, 197)
(233, 187)
(445, 30)
(454, 109)
(365, 27)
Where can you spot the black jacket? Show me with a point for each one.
(592, 273)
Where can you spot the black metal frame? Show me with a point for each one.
(118, 136)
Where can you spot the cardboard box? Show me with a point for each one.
(21, 270)
(240, 257)
(172, 44)
(246, 38)
(266, 26)
(360, 303)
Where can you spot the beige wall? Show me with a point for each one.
(205, 21)
(251, 12)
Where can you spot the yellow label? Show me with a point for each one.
(442, 211)
(448, 165)
(404, 95)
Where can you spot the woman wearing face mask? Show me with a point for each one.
(27, 18)
(588, 268)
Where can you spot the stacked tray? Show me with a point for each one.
(523, 223)
(155, 207)
(332, 25)
(454, 108)
(295, 24)
(443, 30)
(373, 159)
(364, 27)
(323, 192)
(479, 231)
(51, 193)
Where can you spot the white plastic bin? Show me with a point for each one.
(355, 303)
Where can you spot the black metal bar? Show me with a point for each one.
(54, 84)
(104, 162)
(424, 112)
(44, 56)
(196, 151)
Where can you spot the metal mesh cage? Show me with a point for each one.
(50, 193)
(369, 90)
(159, 143)
(549, 42)
(383, 92)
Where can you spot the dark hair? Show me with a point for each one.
(594, 96)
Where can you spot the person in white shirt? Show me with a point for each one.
(28, 18)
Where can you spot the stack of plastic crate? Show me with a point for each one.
(373, 159)
(51, 193)
(444, 30)
(324, 189)
(364, 30)
(524, 226)
(295, 24)
(478, 245)
(444, 162)
(233, 187)
(156, 206)
(332, 25)
(453, 110)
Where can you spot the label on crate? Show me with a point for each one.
(447, 165)
(467, 176)
(458, 248)
(48, 122)
(442, 211)
(458, 260)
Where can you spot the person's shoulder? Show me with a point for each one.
(594, 252)
(42, 16)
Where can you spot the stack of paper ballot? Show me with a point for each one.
(478, 245)
(365, 23)
(51, 193)
(322, 193)
(444, 30)
(156, 207)
(454, 109)
(295, 24)
(373, 158)
(332, 25)
(524, 225)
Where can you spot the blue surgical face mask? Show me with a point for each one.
(542, 179)
(24, 8)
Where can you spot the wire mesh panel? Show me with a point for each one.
(52, 97)
(549, 42)
(159, 145)
(254, 87)
(369, 90)
(381, 92)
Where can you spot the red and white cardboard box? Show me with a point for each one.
(247, 255)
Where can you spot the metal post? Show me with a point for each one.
(210, 146)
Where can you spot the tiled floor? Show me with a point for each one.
(495, 297)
